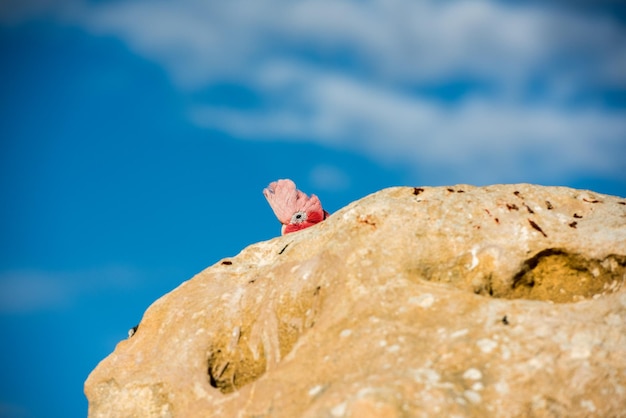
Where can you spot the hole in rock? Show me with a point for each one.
(271, 324)
(228, 372)
(559, 276)
(551, 275)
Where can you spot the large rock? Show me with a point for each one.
(503, 301)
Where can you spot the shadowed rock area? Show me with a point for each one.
(506, 300)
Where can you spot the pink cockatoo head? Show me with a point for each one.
(293, 208)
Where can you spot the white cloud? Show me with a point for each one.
(34, 290)
(395, 41)
(28, 291)
(351, 74)
(502, 135)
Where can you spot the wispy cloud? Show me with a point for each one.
(471, 139)
(397, 41)
(374, 76)
(26, 291)
(13, 411)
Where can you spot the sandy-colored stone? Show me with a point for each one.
(505, 301)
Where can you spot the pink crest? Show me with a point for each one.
(293, 208)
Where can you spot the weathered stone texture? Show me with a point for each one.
(505, 301)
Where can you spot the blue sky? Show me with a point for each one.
(136, 137)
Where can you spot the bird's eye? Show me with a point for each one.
(298, 217)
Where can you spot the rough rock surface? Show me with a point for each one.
(505, 301)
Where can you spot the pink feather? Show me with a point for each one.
(293, 208)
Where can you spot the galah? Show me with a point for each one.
(293, 208)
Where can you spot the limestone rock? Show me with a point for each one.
(505, 301)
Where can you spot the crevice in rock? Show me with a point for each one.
(228, 371)
(268, 332)
(560, 276)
